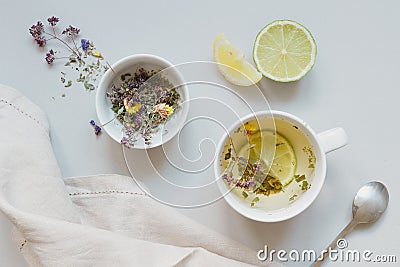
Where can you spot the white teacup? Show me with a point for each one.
(282, 206)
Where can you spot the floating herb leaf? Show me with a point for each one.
(256, 199)
(298, 178)
(311, 157)
(228, 154)
(268, 186)
(305, 186)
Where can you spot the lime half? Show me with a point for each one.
(284, 51)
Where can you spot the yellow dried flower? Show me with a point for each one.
(97, 54)
(169, 109)
(134, 108)
(164, 110)
(131, 109)
(250, 128)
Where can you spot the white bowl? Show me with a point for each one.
(129, 65)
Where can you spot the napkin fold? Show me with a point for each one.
(101, 220)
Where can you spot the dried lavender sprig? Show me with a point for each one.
(88, 72)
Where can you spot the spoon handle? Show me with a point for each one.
(332, 245)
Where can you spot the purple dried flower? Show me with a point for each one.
(36, 30)
(138, 120)
(85, 44)
(71, 31)
(249, 184)
(142, 109)
(125, 141)
(40, 40)
(128, 138)
(50, 56)
(130, 103)
(227, 178)
(53, 21)
(164, 93)
(257, 166)
(97, 130)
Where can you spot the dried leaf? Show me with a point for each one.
(292, 197)
(68, 84)
(120, 110)
(123, 76)
(72, 59)
(256, 199)
(88, 86)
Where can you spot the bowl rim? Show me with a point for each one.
(125, 62)
(275, 215)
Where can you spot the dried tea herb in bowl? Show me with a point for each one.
(142, 102)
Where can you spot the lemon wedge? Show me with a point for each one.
(232, 64)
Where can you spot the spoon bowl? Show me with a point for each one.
(370, 202)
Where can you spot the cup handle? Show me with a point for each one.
(332, 139)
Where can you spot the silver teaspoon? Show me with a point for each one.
(369, 203)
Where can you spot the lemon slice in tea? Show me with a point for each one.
(284, 51)
(283, 165)
(232, 64)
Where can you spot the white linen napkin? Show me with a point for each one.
(102, 220)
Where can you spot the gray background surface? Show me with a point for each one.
(353, 85)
